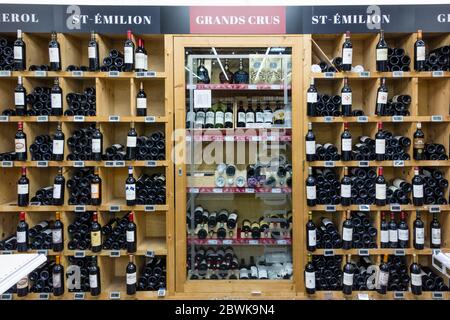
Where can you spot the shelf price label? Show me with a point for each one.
(282, 242)
(253, 242)
(109, 163)
(78, 296)
(212, 241)
(42, 164)
(114, 208)
(113, 74)
(150, 119)
(145, 74)
(77, 73)
(43, 251)
(6, 296)
(80, 209)
(437, 73)
(397, 118)
(194, 190)
(227, 242)
(437, 118)
(217, 190)
(328, 252)
(5, 73)
(363, 296)
(329, 74)
(399, 252)
(7, 164)
(363, 252)
(78, 164)
(40, 73)
(150, 163)
(114, 118)
(119, 163)
(363, 164)
(276, 190)
(364, 207)
(149, 208)
(397, 74)
(44, 296)
(150, 253)
(364, 74)
(6, 252)
(35, 203)
(114, 253)
(362, 119)
(115, 295)
(78, 118)
(399, 295)
(80, 253)
(330, 208)
(437, 295)
(42, 118)
(4, 118)
(396, 208)
(330, 164)
(161, 292)
(249, 190)
(328, 119)
(399, 163)
(434, 209)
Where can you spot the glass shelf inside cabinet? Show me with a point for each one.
(239, 172)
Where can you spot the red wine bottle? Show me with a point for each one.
(393, 232)
(416, 277)
(311, 234)
(97, 145)
(380, 188)
(20, 58)
(131, 143)
(59, 188)
(140, 57)
(310, 276)
(311, 193)
(58, 144)
(23, 189)
(96, 188)
(384, 231)
(56, 100)
(141, 102)
(96, 234)
(94, 277)
(347, 232)
(418, 186)
(20, 98)
(346, 99)
(131, 277)
(131, 234)
(22, 287)
(346, 144)
(383, 275)
(22, 233)
(129, 52)
(382, 99)
(435, 232)
(419, 52)
(58, 234)
(54, 53)
(403, 232)
(130, 188)
(346, 189)
(419, 143)
(347, 276)
(380, 143)
(419, 232)
(382, 54)
(93, 55)
(58, 277)
(311, 99)
(347, 53)
(310, 144)
(20, 143)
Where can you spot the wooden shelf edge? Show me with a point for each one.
(88, 163)
(104, 207)
(67, 119)
(86, 74)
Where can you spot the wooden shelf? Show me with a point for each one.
(86, 74)
(356, 252)
(136, 163)
(113, 206)
(122, 119)
(390, 163)
(374, 207)
(374, 75)
(406, 119)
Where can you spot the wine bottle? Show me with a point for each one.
(346, 144)
(380, 188)
(58, 234)
(253, 268)
(347, 232)
(131, 276)
(419, 232)
(58, 144)
(23, 189)
(346, 99)
(96, 235)
(347, 277)
(131, 234)
(249, 115)
(241, 115)
(22, 287)
(311, 196)
(383, 275)
(311, 99)
(382, 98)
(96, 188)
(130, 188)
(382, 54)
(20, 101)
(419, 143)
(384, 232)
(259, 113)
(93, 55)
(347, 53)
(54, 53)
(141, 102)
(20, 59)
(209, 118)
(418, 185)
(20, 143)
(140, 57)
(435, 232)
(243, 270)
(419, 52)
(241, 76)
(403, 232)
(416, 277)
(56, 100)
(346, 189)
(227, 76)
(310, 144)
(393, 232)
(59, 185)
(94, 277)
(202, 72)
(22, 233)
(129, 52)
(58, 277)
(219, 120)
(279, 113)
(229, 116)
(310, 276)
(131, 143)
(380, 143)
(97, 144)
(311, 234)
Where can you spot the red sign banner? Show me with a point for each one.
(238, 20)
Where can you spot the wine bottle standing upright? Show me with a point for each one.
(382, 98)
(418, 185)
(310, 144)
(93, 55)
(346, 99)
(347, 276)
(96, 234)
(310, 276)
(393, 232)
(131, 143)
(311, 193)
(311, 99)
(20, 143)
(97, 144)
(380, 143)
(58, 144)
(419, 232)
(311, 234)
(20, 98)
(129, 52)
(384, 231)
(435, 232)
(403, 232)
(346, 189)
(22, 233)
(380, 188)
(347, 232)
(130, 188)
(54, 53)
(58, 277)
(228, 117)
(416, 277)
(58, 234)
(20, 58)
(382, 54)
(141, 102)
(346, 144)
(94, 277)
(347, 53)
(131, 278)
(56, 100)
(23, 189)
(419, 52)
(139, 57)
(419, 143)
(59, 188)
(131, 234)
(383, 275)
(96, 188)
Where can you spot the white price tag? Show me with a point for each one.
(114, 295)
(42, 164)
(363, 164)
(114, 253)
(330, 208)
(6, 296)
(364, 74)
(328, 252)
(113, 73)
(5, 73)
(150, 253)
(44, 296)
(78, 296)
(78, 118)
(437, 118)
(150, 119)
(438, 73)
(40, 73)
(363, 296)
(114, 208)
(329, 74)
(217, 190)
(80, 209)
(202, 99)
(145, 74)
(4, 118)
(77, 73)
(253, 242)
(161, 292)
(212, 241)
(78, 164)
(150, 163)
(363, 252)
(397, 74)
(42, 119)
(114, 118)
(330, 164)
(364, 207)
(328, 119)
(7, 164)
(149, 208)
(396, 208)
(399, 163)
(362, 119)
(397, 118)
(80, 254)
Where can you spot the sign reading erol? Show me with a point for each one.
(238, 20)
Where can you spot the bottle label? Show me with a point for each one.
(393, 236)
(380, 191)
(249, 117)
(19, 98)
(243, 273)
(419, 143)
(435, 236)
(210, 117)
(418, 191)
(232, 216)
(53, 54)
(348, 279)
(56, 100)
(96, 238)
(254, 271)
(96, 145)
(416, 279)
(93, 281)
(268, 116)
(129, 54)
(259, 117)
(382, 97)
(131, 278)
(279, 114)
(262, 273)
(140, 61)
(141, 103)
(56, 191)
(21, 236)
(130, 236)
(310, 280)
(346, 144)
(92, 52)
(380, 146)
(23, 283)
(58, 147)
(22, 188)
(311, 97)
(18, 53)
(219, 117)
(346, 98)
(130, 191)
(347, 55)
(382, 54)
(420, 236)
(346, 191)
(131, 141)
(57, 236)
(312, 240)
(56, 280)
(420, 53)
(311, 192)
(310, 147)
(347, 234)
(384, 236)
(383, 278)
(229, 117)
(241, 117)
(403, 235)
(95, 189)
(20, 145)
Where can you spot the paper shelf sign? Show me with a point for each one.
(202, 99)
